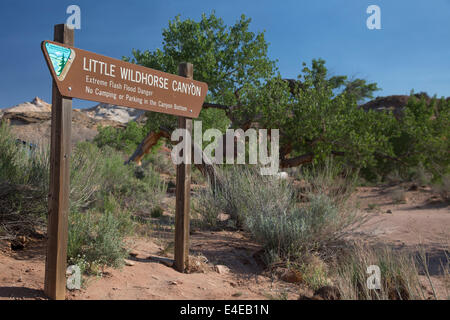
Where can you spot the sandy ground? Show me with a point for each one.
(22, 274)
(420, 220)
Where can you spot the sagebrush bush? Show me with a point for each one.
(315, 226)
(22, 164)
(267, 208)
(96, 238)
(242, 191)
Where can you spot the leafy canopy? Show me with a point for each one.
(317, 114)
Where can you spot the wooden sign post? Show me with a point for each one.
(58, 198)
(86, 75)
(183, 191)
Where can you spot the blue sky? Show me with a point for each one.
(411, 51)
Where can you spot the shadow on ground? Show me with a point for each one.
(21, 293)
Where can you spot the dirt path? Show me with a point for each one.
(419, 219)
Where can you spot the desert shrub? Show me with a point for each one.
(96, 239)
(208, 205)
(23, 185)
(101, 173)
(85, 175)
(100, 182)
(313, 270)
(420, 175)
(22, 164)
(399, 274)
(159, 162)
(267, 208)
(315, 226)
(156, 212)
(242, 191)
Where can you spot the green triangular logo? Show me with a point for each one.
(59, 56)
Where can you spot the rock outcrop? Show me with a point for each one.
(30, 121)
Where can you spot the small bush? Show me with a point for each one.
(85, 175)
(97, 239)
(242, 191)
(420, 175)
(314, 271)
(156, 212)
(267, 208)
(291, 233)
(159, 162)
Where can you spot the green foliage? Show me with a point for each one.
(157, 212)
(103, 193)
(125, 140)
(418, 143)
(234, 63)
(424, 135)
(231, 59)
(317, 114)
(102, 173)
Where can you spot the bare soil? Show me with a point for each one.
(421, 219)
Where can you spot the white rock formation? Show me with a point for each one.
(111, 112)
(37, 105)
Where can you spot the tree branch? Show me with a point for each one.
(296, 161)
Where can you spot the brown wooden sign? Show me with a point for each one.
(86, 75)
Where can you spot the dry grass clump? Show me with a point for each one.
(198, 264)
(443, 188)
(333, 180)
(399, 275)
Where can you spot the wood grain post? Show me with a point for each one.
(183, 191)
(58, 201)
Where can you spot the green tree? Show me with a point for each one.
(317, 114)
(424, 131)
(61, 64)
(245, 88)
(232, 60)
